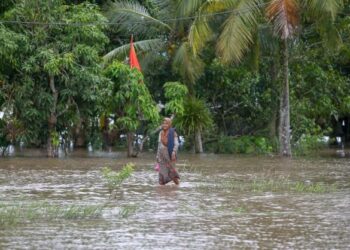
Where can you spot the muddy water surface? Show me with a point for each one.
(202, 213)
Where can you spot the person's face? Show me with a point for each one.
(166, 124)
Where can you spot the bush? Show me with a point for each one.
(244, 145)
(4, 140)
(308, 144)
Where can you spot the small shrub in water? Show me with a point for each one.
(115, 179)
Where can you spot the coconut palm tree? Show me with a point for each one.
(241, 25)
(165, 38)
(284, 16)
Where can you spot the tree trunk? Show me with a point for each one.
(104, 123)
(284, 124)
(273, 124)
(52, 121)
(130, 140)
(79, 134)
(198, 142)
(51, 149)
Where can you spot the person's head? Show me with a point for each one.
(166, 123)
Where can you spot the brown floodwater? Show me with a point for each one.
(202, 213)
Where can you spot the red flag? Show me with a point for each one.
(134, 63)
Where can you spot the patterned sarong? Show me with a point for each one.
(167, 171)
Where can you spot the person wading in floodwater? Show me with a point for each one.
(168, 144)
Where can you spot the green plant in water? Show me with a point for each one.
(271, 185)
(313, 187)
(239, 210)
(115, 179)
(13, 214)
(8, 217)
(127, 211)
(80, 212)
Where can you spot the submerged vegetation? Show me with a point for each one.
(13, 214)
(127, 211)
(115, 179)
(271, 185)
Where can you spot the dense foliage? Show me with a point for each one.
(64, 73)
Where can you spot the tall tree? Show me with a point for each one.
(283, 14)
(127, 98)
(239, 28)
(160, 37)
(60, 70)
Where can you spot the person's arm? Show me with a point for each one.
(176, 142)
(158, 149)
(176, 146)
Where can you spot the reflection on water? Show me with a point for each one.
(145, 215)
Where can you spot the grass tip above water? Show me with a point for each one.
(271, 185)
(12, 214)
(114, 179)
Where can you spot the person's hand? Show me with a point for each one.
(173, 156)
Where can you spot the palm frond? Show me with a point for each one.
(200, 31)
(267, 40)
(140, 46)
(284, 16)
(187, 64)
(148, 60)
(134, 13)
(324, 13)
(237, 33)
(321, 7)
(187, 8)
(329, 33)
(166, 9)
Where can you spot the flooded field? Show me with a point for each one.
(223, 202)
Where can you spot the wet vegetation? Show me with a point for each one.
(231, 194)
(13, 214)
(127, 211)
(277, 185)
(114, 179)
(65, 78)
